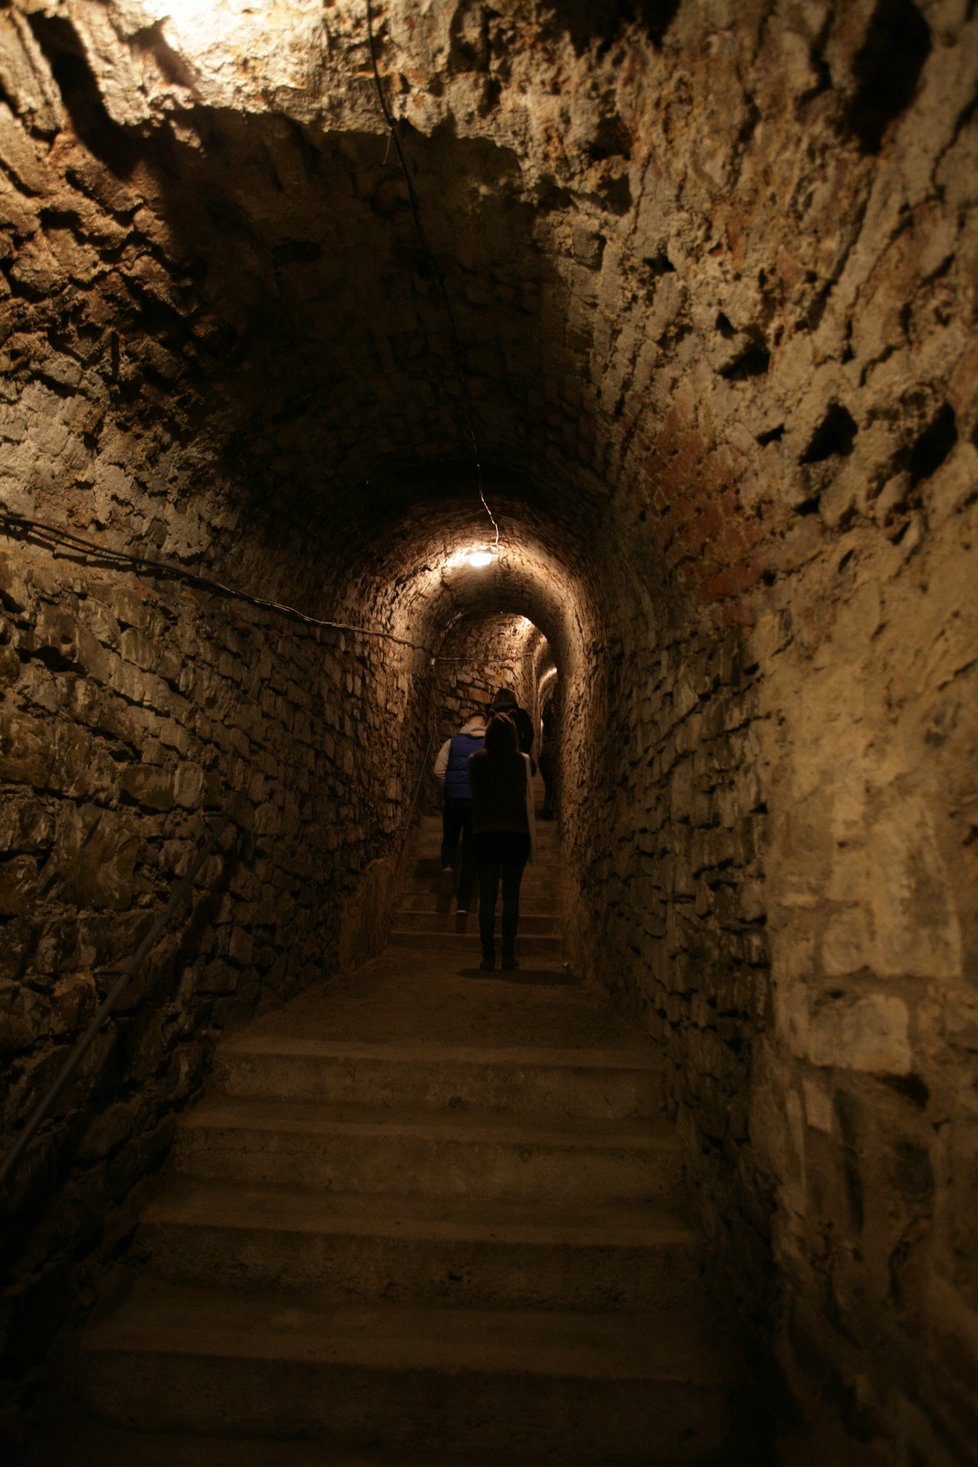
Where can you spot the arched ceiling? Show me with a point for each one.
(273, 275)
(679, 250)
(412, 575)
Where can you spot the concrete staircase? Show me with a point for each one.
(426, 1215)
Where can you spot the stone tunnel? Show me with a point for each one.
(670, 308)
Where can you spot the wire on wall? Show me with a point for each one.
(58, 540)
(466, 399)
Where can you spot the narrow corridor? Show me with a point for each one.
(358, 358)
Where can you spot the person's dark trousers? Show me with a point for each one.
(500, 857)
(457, 826)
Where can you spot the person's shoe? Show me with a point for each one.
(488, 963)
(509, 961)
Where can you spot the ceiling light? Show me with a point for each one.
(480, 558)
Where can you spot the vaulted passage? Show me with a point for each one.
(668, 307)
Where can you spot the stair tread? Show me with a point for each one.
(539, 924)
(176, 1320)
(458, 1219)
(426, 905)
(655, 1134)
(608, 1057)
(434, 993)
(532, 939)
(97, 1445)
(537, 898)
(527, 941)
(529, 945)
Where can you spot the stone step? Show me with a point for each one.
(528, 944)
(547, 862)
(452, 1153)
(643, 1387)
(536, 896)
(93, 1444)
(427, 857)
(427, 847)
(431, 917)
(429, 868)
(466, 1253)
(609, 1083)
(428, 831)
(426, 860)
(534, 901)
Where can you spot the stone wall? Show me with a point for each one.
(134, 708)
(667, 818)
(776, 854)
(869, 746)
(773, 837)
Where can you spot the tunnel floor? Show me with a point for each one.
(410, 992)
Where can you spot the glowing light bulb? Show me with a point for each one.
(480, 558)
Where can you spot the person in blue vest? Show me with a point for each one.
(452, 771)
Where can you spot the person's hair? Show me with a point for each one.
(503, 698)
(501, 735)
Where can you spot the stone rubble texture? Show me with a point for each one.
(713, 273)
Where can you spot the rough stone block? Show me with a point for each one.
(188, 785)
(101, 623)
(16, 593)
(74, 1000)
(25, 754)
(96, 859)
(109, 1130)
(153, 788)
(10, 666)
(39, 688)
(170, 665)
(84, 701)
(868, 1033)
(139, 648)
(240, 948)
(26, 824)
(131, 607)
(18, 885)
(219, 976)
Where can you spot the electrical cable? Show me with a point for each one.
(439, 277)
(54, 537)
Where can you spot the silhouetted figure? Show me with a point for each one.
(451, 768)
(548, 755)
(502, 827)
(505, 702)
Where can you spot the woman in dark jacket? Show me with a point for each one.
(505, 702)
(502, 826)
